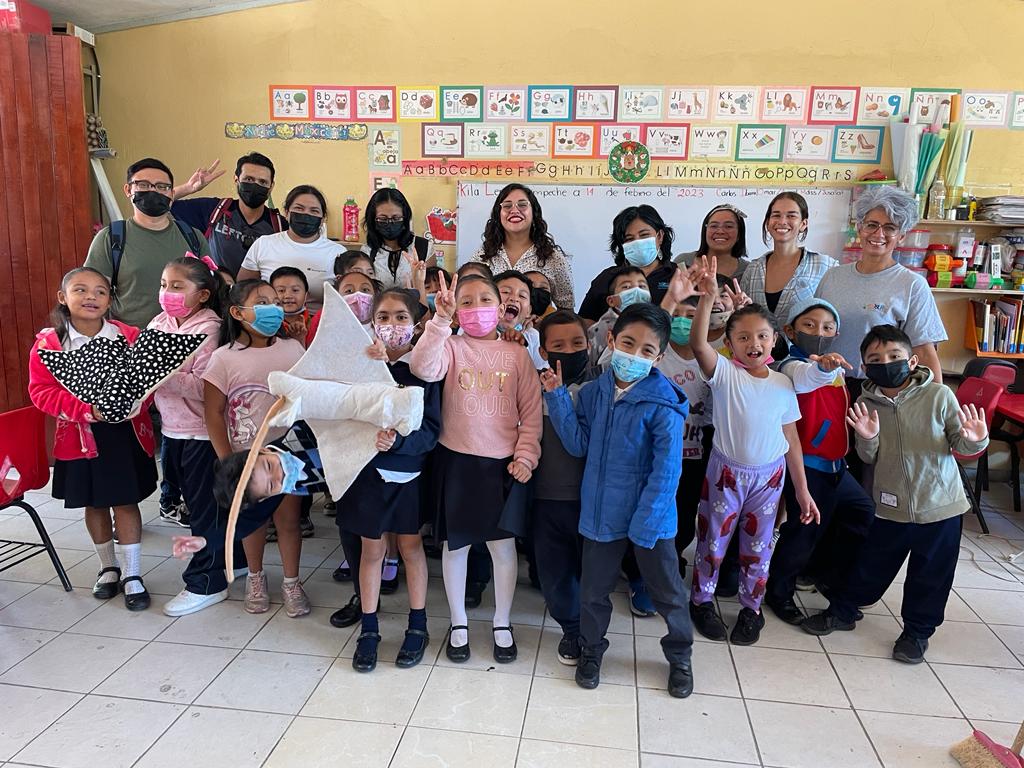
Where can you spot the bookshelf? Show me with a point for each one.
(971, 336)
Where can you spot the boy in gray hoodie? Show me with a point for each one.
(907, 427)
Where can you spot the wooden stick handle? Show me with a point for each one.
(1018, 743)
(243, 481)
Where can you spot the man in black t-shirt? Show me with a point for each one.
(231, 225)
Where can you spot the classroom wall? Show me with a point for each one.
(168, 89)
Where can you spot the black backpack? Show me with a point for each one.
(118, 230)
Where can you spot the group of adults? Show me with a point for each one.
(248, 238)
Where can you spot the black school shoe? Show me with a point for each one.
(348, 615)
(504, 655)
(569, 650)
(140, 600)
(707, 621)
(475, 593)
(909, 650)
(107, 589)
(588, 671)
(406, 658)
(365, 657)
(787, 610)
(680, 681)
(306, 528)
(825, 623)
(748, 628)
(457, 653)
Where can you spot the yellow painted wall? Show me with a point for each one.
(168, 89)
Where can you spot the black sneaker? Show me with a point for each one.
(271, 532)
(176, 513)
(680, 681)
(707, 621)
(588, 670)
(825, 623)
(348, 615)
(342, 572)
(306, 527)
(330, 508)
(787, 610)
(569, 650)
(748, 628)
(475, 593)
(909, 650)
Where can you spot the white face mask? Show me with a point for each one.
(719, 319)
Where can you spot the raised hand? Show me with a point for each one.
(183, 547)
(864, 424)
(419, 277)
(551, 379)
(511, 334)
(444, 299)
(202, 178)
(736, 295)
(708, 282)
(973, 426)
(680, 288)
(377, 350)
(296, 329)
(385, 439)
(520, 471)
(831, 361)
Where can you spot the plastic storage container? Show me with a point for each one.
(911, 257)
(917, 238)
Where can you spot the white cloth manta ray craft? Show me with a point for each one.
(117, 377)
(343, 395)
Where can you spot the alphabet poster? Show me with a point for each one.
(985, 109)
(641, 102)
(332, 102)
(550, 103)
(712, 142)
(417, 104)
(375, 104)
(443, 140)
(760, 142)
(857, 144)
(616, 134)
(687, 103)
(667, 141)
(385, 148)
(925, 103)
(289, 102)
(505, 103)
(1017, 115)
(530, 141)
(808, 144)
(462, 102)
(574, 140)
(784, 105)
(735, 103)
(831, 105)
(596, 103)
(877, 105)
(486, 140)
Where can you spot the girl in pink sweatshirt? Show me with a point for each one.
(489, 447)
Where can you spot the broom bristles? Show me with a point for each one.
(973, 753)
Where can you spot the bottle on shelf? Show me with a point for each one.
(937, 199)
(350, 218)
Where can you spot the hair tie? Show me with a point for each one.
(210, 263)
(727, 207)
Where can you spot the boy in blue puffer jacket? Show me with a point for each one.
(628, 424)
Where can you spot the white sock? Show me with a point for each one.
(132, 567)
(454, 566)
(506, 572)
(105, 552)
(290, 581)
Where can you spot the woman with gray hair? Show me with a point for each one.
(879, 291)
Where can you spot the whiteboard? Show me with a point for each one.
(580, 217)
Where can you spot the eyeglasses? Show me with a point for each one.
(522, 205)
(871, 227)
(145, 186)
(726, 226)
(251, 180)
(390, 219)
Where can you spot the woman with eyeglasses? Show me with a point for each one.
(390, 242)
(304, 245)
(516, 237)
(723, 235)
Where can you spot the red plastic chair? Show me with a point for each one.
(982, 393)
(24, 467)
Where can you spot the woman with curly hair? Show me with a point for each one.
(516, 237)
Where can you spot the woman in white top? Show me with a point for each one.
(390, 242)
(516, 237)
(304, 245)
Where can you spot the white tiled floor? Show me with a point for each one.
(84, 683)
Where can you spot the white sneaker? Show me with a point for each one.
(186, 602)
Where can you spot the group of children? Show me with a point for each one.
(606, 448)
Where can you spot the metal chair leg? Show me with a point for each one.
(981, 475)
(1015, 475)
(45, 538)
(972, 497)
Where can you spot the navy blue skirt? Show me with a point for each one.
(122, 473)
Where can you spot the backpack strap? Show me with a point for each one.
(275, 220)
(116, 235)
(222, 209)
(190, 236)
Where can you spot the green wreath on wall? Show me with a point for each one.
(629, 162)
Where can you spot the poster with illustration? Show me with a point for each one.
(550, 103)
(712, 142)
(760, 142)
(464, 103)
(666, 141)
(831, 105)
(574, 140)
(1017, 113)
(858, 144)
(610, 135)
(384, 145)
(486, 140)
(332, 102)
(786, 104)
(925, 104)
(808, 144)
(380, 181)
(641, 102)
(417, 104)
(504, 102)
(290, 102)
(529, 140)
(375, 104)
(877, 105)
(442, 225)
(596, 103)
(735, 103)
(687, 103)
(442, 140)
(985, 109)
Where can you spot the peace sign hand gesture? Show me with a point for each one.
(444, 299)
(202, 178)
(552, 379)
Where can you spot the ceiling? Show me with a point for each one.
(107, 15)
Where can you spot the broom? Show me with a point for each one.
(979, 751)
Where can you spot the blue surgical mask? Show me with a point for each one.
(267, 318)
(641, 253)
(630, 368)
(431, 298)
(633, 296)
(294, 470)
(680, 333)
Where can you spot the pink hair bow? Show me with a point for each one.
(210, 263)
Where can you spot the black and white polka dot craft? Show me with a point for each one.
(115, 376)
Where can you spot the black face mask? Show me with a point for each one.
(252, 194)
(392, 230)
(304, 225)
(540, 300)
(888, 375)
(812, 344)
(574, 364)
(151, 203)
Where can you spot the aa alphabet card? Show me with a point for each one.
(667, 141)
(687, 103)
(760, 142)
(443, 140)
(486, 140)
(858, 144)
(735, 103)
(616, 134)
(290, 102)
(463, 103)
(385, 148)
(596, 103)
(877, 105)
(529, 140)
(832, 104)
(550, 103)
(332, 102)
(808, 144)
(712, 142)
(784, 104)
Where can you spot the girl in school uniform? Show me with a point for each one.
(489, 447)
(191, 296)
(236, 400)
(390, 241)
(97, 465)
(385, 496)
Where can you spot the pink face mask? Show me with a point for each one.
(767, 361)
(174, 304)
(478, 321)
(394, 336)
(361, 305)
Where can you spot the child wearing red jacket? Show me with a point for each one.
(97, 465)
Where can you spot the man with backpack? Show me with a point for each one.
(231, 225)
(134, 252)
